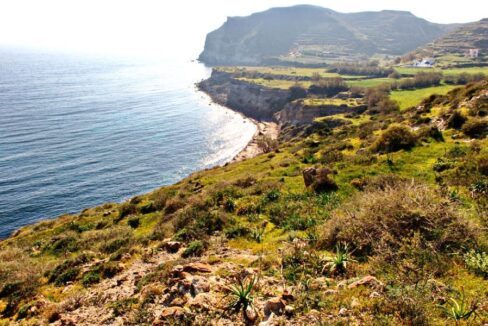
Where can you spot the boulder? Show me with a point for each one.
(169, 313)
(274, 305)
(318, 179)
(369, 281)
(197, 268)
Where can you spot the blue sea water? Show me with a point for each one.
(77, 131)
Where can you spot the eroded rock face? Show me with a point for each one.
(250, 99)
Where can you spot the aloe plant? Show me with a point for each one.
(338, 263)
(241, 291)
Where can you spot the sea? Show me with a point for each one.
(80, 130)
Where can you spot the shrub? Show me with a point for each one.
(477, 262)
(134, 222)
(456, 120)
(430, 132)
(395, 138)
(328, 86)
(380, 221)
(61, 245)
(126, 209)
(476, 128)
(266, 144)
(194, 249)
(297, 92)
(114, 245)
(91, 277)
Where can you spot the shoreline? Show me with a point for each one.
(264, 128)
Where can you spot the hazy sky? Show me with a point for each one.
(170, 26)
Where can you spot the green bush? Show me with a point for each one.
(477, 262)
(114, 245)
(476, 128)
(126, 209)
(194, 249)
(134, 222)
(395, 138)
(397, 221)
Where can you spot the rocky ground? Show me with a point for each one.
(198, 291)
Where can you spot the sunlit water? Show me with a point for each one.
(80, 131)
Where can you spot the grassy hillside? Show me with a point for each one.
(378, 219)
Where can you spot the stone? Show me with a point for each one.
(199, 285)
(330, 292)
(369, 281)
(197, 268)
(374, 294)
(169, 313)
(202, 301)
(289, 311)
(251, 314)
(274, 305)
(343, 312)
(318, 179)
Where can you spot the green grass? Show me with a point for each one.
(451, 71)
(373, 82)
(276, 83)
(409, 98)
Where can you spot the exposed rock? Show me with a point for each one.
(202, 301)
(274, 305)
(169, 313)
(197, 268)
(251, 314)
(289, 311)
(374, 295)
(369, 281)
(343, 312)
(318, 179)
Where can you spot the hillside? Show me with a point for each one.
(304, 32)
(453, 49)
(363, 212)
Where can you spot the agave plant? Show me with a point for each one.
(338, 263)
(459, 310)
(241, 291)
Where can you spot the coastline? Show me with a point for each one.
(269, 129)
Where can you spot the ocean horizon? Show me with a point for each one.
(81, 130)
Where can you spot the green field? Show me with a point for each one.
(451, 71)
(373, 82)
(409, 98)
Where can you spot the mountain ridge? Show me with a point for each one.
(305, 30)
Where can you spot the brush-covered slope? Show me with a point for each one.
(454, 47)
(378, 220)
(310, 30)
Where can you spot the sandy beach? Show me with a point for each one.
(270, 129)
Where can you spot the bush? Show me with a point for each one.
(384, 221)
(395, 138)
(328, 87)
(114, 245)
(476, 128)
(297, 92)
(194, 249)
(134, 222)
(266, 144)
(456, 120)
(477, 262)
(126, 209)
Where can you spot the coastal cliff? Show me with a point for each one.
(252, 100)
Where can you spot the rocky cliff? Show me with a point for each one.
(252, 100)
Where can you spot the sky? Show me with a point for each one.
(172, 27)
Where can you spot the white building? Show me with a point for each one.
(424, 63)
(473, 53)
